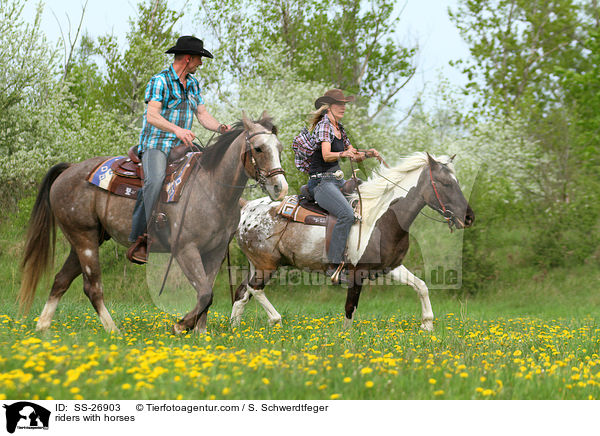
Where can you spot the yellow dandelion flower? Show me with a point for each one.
(265, 380)
(438, 393)
(369, 384)
(225, 391)
(347, 379)
(517, 353)
(334, 396)
(432, 381)
(366, 370)
(74, 390)
(125, 386)
(464, 375)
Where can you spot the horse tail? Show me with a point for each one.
(40, 240)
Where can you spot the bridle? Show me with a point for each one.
(448, 215)
(254, 171)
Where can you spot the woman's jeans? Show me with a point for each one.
(154, 162)
(328, 195)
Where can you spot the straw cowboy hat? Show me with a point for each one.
(190, 45)
(333, 96)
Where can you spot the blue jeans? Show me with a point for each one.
(328, 195)
(154, 163)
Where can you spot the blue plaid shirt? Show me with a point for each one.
(178, 106)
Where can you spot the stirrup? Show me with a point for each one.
(138, 251)
(335, 277)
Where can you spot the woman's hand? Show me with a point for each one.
(359, 156)
(372, 153)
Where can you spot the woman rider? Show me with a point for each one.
(326, 177)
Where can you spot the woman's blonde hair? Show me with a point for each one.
(316, 116)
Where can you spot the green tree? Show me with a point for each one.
(533, 66)
(126, 72)
(27, 66)
(341, 43)
(519, 48)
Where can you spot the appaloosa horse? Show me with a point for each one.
(87, 218)
(390, 203)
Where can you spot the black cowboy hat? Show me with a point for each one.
(190, 45)
(333, 96)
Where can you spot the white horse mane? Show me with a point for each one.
(378, 192)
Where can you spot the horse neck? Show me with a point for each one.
(229, 178)
(408, 207)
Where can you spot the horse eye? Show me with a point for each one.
(258, 149)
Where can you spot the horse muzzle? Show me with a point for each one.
(277, 187)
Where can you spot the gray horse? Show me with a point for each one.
(87, 217)
(390, 203)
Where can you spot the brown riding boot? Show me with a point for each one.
(138, 252)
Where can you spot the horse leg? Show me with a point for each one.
(190, 261)
(352, 296)
(212, 265)
(405, 277)
(88, 254)
(69, 271)
(256, 288)
(242, 296)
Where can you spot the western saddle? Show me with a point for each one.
(304, 209)
(129, 175)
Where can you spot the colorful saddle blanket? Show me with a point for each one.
(121, 176)
(297, 208)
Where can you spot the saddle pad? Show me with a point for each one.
(291, 209)
(105, 178)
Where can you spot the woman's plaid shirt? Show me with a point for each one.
(178, 106)
(324, 132)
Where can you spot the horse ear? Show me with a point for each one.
(452, 158)
(265, 115)
(246, 121)
(432, 162)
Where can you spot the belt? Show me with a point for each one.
(338, 175)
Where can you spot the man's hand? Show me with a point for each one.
(186, 136)
(223, 128)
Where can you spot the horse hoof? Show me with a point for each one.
(177, 329)
(275, 321)
(42, 327)
(235, 322)
(427, 326)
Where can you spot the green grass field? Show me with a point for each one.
(528, 335)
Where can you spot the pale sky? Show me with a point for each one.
(424, 22)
